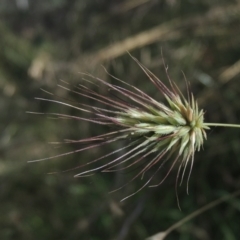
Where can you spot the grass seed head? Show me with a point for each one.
(155, 132)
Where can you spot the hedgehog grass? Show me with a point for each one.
(172, 131)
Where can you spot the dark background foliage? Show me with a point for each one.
(43, 42)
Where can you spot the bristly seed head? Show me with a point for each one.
(173, 130)
(178, 128)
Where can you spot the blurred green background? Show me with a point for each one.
(43, 42)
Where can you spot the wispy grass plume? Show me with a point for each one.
(155, 132)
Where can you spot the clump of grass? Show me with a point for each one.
(156, 132)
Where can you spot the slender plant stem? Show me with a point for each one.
(203, 209)
(223, 125)
(162, 235)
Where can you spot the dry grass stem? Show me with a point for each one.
(230, 72)
(162, 235)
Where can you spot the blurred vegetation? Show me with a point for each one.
(43, 42)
